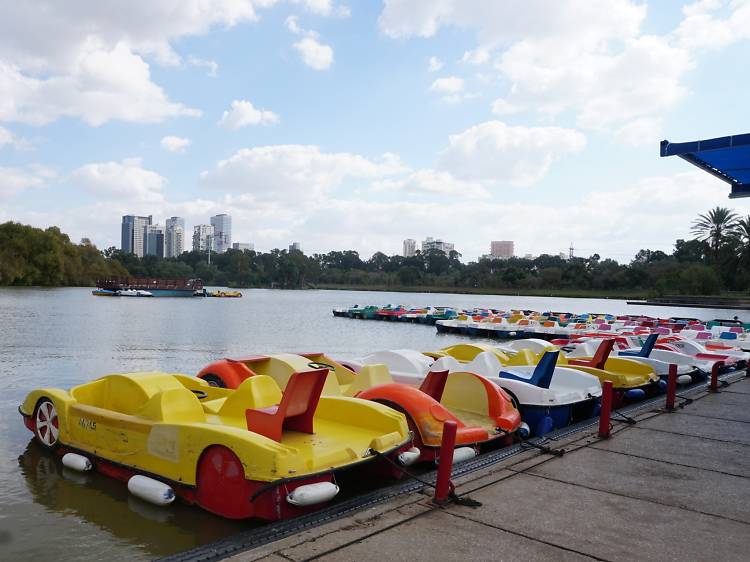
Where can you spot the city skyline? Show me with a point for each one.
(548, 124)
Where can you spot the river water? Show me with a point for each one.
(64, 337)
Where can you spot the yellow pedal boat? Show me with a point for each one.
(249, 452)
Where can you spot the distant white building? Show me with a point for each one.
(154, 240)
(203, 237)
(133, 232)
(502, 249)
(222, 232)
(295, 246)
(410, 247)
(174, 237)
(436, 244)
(243, 246)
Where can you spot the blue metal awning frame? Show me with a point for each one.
(727, 158)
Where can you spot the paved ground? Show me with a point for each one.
(672, 487)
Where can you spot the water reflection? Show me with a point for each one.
(106, 503)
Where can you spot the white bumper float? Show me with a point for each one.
(310, 494)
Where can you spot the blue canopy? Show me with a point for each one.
(727, 158)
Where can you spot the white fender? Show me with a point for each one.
(408, 458)
(461, 454)
(77, 462)
(310, 494)
(150, 490)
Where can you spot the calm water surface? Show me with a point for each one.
(64, 337)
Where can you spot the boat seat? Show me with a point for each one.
(645, 350)
(368, 377)
(176, 405)
(446, 363)
(704, 335)
(728, 336)
(542, 375)
(600, 357)
(258, 391)
(433, 384)
(296, 409)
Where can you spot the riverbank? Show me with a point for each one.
(556, 293)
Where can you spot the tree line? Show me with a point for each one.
(717, 259)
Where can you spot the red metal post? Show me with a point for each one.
(671, 387)
(606, 410)
(447, 445)
(714, 386)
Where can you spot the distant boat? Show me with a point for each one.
(155, 287)
(225, 294)
(133, 293)
(103, 293)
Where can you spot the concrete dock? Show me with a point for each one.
(674, 486)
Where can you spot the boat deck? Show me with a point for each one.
(672, 487)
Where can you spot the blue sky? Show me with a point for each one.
(356, 125)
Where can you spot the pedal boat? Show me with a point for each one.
(631, 380)
(482, 413)
(253, 452)
(549, 396)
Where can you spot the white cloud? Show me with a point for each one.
(126, 180)
(701, 29)
(324, 8)
(174, 144)
(89, 61)
(315, 54)
(493, 152)
(16, 180)
(502, 107)
(588, 57)
(644, 131)
(242, 113)
(211, 66)
(293, 172)
(431, 182)
(448, 85)
(477, 56)
(434, 64)
(7, 138)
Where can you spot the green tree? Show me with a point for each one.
(715, 228)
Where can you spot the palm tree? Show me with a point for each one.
(741, 233)
(715, 227)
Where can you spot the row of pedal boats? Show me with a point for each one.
(520, 324)
(273, 436)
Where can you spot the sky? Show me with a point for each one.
(354, 125)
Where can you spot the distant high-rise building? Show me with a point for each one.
(174, 237)
(153, 241)
(133, 232)
(502, 249)
(436, 244)
(243, 246)
(295, 246)
(410, 247)
(203, 238)
(222, 232)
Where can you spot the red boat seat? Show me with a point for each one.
(434, 384)
(296, 410)
(599, 358)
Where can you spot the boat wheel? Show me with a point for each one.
(46, 424)
(221, 485)
(214, 380)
